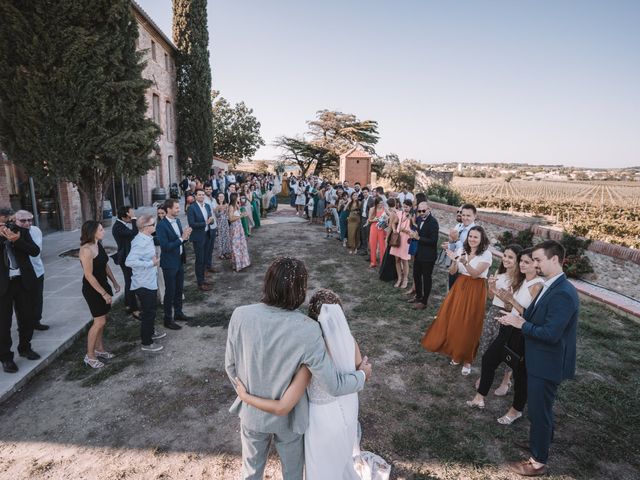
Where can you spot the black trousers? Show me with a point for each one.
(129, 297)
(208, 248)
(492, 359)
(148, 302)
(364, 236)
(422, 279)
(38, 301)
(173, 285)
(199, 250)
(452, 279)
(18, 298)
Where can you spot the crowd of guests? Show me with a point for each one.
(222, 211)
(396, 230)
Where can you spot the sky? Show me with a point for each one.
(530, 81)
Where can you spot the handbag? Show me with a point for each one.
(514, 349)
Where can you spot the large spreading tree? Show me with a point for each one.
(194, 116)
(236, 131)
(72, 98)
(330, 134)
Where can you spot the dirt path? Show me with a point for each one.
(165, 416)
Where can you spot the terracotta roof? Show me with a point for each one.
(356, 152)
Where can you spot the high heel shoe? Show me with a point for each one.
(502, 390)
(507, 420)
(474, 404)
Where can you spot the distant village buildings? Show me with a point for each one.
(58, 208)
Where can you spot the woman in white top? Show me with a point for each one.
(301, 198)
(494, 355)
(456, 330)
(508, 275)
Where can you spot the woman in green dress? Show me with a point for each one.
(256, 196)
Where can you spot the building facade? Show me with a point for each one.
(355, 166)
(59, 208)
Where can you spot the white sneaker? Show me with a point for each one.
(466, 370)
(152, 348)
(158, 335)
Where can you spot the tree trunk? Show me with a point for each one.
(91, 198)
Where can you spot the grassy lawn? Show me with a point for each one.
(166, 415)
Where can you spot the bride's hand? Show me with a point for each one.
(240, 390)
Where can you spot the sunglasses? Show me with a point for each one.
(421, 211)
(25, 220)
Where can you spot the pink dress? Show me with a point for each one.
(403, 250)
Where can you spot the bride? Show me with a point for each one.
(332, 440)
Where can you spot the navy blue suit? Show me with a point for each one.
(550, 356)
(200, 238)
(171, 262)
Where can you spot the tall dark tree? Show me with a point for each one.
(304, 154)
(194, 116)
(72, 105)
(340, 132)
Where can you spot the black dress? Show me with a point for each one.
(387, 271)
(96, 302)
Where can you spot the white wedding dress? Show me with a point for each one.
(332, 441)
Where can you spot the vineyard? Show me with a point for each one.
(607, 211)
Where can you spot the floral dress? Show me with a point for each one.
(240, 252)
(223, 238)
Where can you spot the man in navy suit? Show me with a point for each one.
(425, 258)
(171, 238)
(549, 329)
(200, 218)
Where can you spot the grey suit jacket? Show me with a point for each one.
(265, 347)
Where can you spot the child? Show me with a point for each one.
(329, 216)
(310, 203)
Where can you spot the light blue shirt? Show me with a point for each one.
(140, 260)
(36, 236)
(462, 236)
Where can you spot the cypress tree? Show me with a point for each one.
(193, 76)
(72, 104)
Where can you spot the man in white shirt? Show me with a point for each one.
(367, 203)
(347, 188)
(405, 194)
(24, 219)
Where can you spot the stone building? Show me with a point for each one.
(355, 166)
(58, 208)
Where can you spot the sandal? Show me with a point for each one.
(93, 362)
(453, 363)
(474, 404)
(466, 370)
(507, 420)
(106, 355)
(502, 390)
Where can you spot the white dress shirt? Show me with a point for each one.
(174, 224)
(548, 284)
(38, 266)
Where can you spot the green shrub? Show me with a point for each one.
(439, 192)
(524, 238)
(576, 263)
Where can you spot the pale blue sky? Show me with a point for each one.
(542, 82)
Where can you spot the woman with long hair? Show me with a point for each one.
(96, 289)
(402, 225)
(223, 237)
(387, 271)
(377, 218)
(240, 251)
(519, 299)
(507, 276)
(343, 216)
(353, 223)
(456, 330)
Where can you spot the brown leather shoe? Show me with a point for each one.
(204, 287)
(419, 306)
(527, 469)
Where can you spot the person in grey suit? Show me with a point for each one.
(549, 327)
(277, 339)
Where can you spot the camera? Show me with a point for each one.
(13, 226)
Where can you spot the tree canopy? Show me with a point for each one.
(193, 77)
(72, 98)
(330, 134)
(236, 131)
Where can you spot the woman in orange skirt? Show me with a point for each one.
(456, 330)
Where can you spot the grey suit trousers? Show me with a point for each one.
(255, 450)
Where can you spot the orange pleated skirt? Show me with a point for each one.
(456, 330)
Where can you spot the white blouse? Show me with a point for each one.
(523, 295)
(486, 257)
(502, 281)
